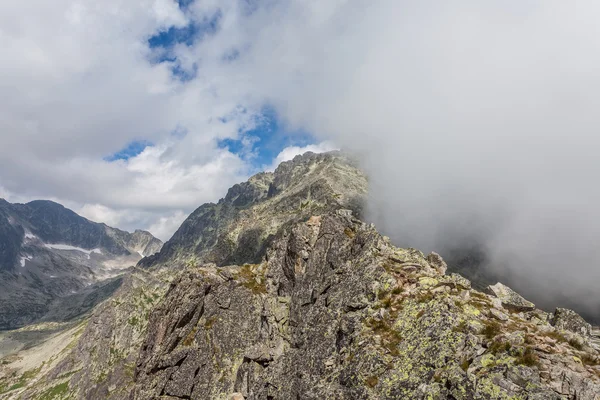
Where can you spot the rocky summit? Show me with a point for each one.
(281, 291)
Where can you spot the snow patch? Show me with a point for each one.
(26, 258)
(73, 248)
(141, 254)
(29, 235)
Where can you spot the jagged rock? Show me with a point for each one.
(437, 262)
(569, 320)
(509, 298)
(240, 227)
(330, 323)
(498, 314)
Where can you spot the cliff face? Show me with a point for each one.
(336, 311)
(321, 307)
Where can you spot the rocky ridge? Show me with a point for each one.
(48, 253)
(240, 227)
(330, 309)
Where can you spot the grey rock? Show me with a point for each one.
(569, 320)
(437, 262)
(509, 298)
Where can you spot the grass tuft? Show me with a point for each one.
(528, 358)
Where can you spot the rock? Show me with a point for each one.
(436, 261)
(569, 320)
(460, 282)
(498, 314)
(509, 298)
(236, 396)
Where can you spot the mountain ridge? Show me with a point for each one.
(48, 252)
(318, 305)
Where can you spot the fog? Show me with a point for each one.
(476, 122)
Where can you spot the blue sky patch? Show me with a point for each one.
(131, 150)
(187, 35)
(164, 42)
(267, 140)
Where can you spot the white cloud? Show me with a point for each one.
(166, 225)
(473, 119)
(290, 152)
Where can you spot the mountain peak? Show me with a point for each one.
(241, 225)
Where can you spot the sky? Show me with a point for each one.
(475, 121)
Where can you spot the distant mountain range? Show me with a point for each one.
(49, 253)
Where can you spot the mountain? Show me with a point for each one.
(280, 291)
(49, 253)
(240, 227)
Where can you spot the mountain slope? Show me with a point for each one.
(319, 306)
(240, 226)
(48, 252)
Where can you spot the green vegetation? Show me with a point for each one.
(588, 359)
(26, 377)
(462, 327)
(576, 344)
(190, 336)
(556, 335)
(384, 328)
(465, 363)
(209, 323)
(251, 279)
(491, 329)
(372, 381)
(425, 297)
(528, 358)
(498, 346)
(56, 392)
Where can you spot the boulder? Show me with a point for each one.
(569, 320)
(510, 299)
(437, 262)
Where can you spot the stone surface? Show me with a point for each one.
(569, 320)
(509, 298)
(330, 314)
(241, 226)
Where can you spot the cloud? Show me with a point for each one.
(474, 120)
(75, 97)
(290, 152)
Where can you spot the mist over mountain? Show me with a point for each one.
(448, 251)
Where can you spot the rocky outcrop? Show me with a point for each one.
(569, 320)
(509, 298)
(336, 311)
(241, 226)
(280, 291)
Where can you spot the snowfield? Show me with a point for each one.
(73, 248)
